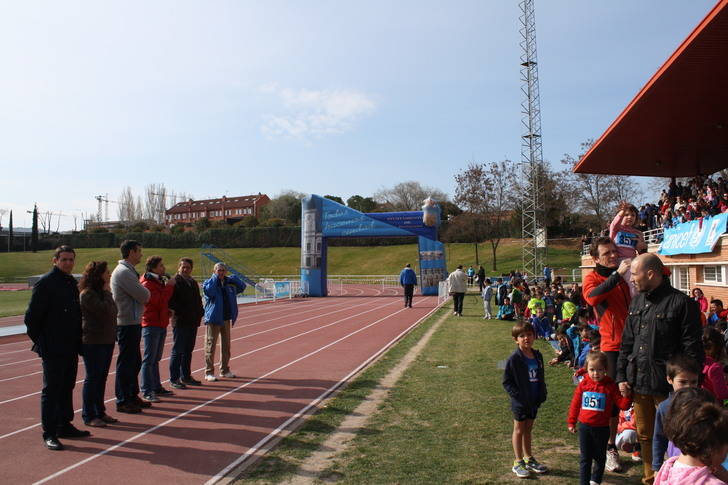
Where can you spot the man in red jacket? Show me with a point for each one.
(606, 290)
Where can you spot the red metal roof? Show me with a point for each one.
(677, 125)
(215, 204)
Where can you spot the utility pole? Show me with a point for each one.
(533, 228)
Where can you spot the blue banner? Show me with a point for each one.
(694, 237)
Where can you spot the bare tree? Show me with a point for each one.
(408, 196)
(155, 202)
(127, 210)
(2, 214)
(598, 194)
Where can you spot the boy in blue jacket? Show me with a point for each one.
(523, 380)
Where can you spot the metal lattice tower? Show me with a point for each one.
(532, 228)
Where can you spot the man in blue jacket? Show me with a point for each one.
(408, 280)
(221, 311)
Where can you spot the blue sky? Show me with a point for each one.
(326, 97)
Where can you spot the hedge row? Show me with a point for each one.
(234, 237)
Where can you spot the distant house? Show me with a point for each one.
(228, 209)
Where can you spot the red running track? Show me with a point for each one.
(289, 356)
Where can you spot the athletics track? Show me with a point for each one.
(289, 356)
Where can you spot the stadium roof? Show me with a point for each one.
(677, 125)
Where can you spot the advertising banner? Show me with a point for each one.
(694, 237)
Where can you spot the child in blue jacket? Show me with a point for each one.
(523, 380)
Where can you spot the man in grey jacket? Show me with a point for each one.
(130, 297)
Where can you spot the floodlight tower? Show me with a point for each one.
(532, 222)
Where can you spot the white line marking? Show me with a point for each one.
(199, 406)
(222, 473)
(199, 349)
(7, 435)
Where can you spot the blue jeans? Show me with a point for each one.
(128, 363)
(593, 447)
(180, 360)
(97, 360)
(153, 347)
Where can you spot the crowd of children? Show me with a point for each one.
(690, 439)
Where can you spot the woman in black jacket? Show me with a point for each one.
(98, 311)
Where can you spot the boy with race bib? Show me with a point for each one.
(592, 406)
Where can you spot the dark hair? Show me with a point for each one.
(717, 302)
(152, 262)
(713, 343)
(522, 327)
(63, 249)
(601, 241)
(128, 246)
(596, 356)
(186, 260)
(92, 276)
(680, 363)
(595, 339)
(487, 280)
(696, 423)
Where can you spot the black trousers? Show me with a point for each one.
(56, 398)
(180, 359)
(593, 447)
(128, 363)
(97, 361)
(409, 290)
(457, 299)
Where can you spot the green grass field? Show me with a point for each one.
(279, 261)
(372, 260)
(13, 302)
(448, 424)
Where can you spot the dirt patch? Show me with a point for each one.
(312, 468)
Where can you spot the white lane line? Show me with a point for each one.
(170, 342)
(21, 377)
(303, 411)
(199, 406)
(202, 348)
(7, 435)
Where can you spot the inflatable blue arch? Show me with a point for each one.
(323, 218)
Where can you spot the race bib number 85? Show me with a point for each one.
(593, 401)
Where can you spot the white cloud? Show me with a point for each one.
(315, 113)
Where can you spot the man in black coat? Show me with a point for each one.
(662, 322)
(53, 319)
(186, 304)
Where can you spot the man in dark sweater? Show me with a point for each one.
(53, 319)
(186, 303)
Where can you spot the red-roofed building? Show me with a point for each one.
(228, 209)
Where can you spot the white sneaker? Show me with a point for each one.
(210, 378)
(592, 482)
(613, 461)
(229, 375)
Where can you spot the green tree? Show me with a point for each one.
(202, 224)
(362, 204)
(34, 233)
(10, 232)
(287, 206)
(335, 198)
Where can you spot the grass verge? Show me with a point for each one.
(13, 302)
(280, 463)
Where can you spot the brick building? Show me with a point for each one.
(228, 209)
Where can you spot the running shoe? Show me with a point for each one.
(519, 468)
(210, 378)
(533, 465)
(613, 461)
